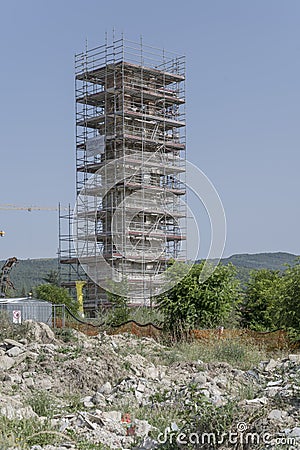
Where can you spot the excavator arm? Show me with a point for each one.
(5, 282)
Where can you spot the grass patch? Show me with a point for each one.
(237, 352)
(43, 404)
(27, 432)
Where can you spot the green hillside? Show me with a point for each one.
(274, 261)
(30, 272)
(245, 262)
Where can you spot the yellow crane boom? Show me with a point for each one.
(10, 207)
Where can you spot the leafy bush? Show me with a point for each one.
(261, 296)
(192, 303)
(56, 295)
(272, 301)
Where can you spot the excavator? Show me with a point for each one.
(5, 282)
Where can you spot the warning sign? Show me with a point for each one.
(17, 317)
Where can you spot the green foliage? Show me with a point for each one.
(273, 261)
(23, 434)
(56, 295)
(29, 273)
(193, 304)
(120, 310)
(241, 353)
(52, 277)
(145, 314)
(119, 302)
(65, 334)
(262, 293)
(273, 300)
(42, 404)
(288, 305)
(232, 351)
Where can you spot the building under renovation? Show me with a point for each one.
(129, 220)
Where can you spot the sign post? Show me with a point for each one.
(17, 316)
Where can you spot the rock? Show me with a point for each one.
(205, 392)
(295, 432)
(217, 400)
(215, 393)
(96, 418)
(221, 382)
(271, 365)
(29, 382)
(87, 402)
(152, 373)
(44, 383)
(142, 427)
(274, 383)
(17, 412)
(13, 343)
(86, 422)
(253, 374)
(6, 362)
(147, 444)
(105, 389)
(39, 332)
(141, 387)
(99, 399)
(15, 351)
(259, 401)
(116, 416)
(272, 391)
(295, 358)
(174, 426)
(20, 358)
(277, 414)
(13, 378)
(139, 396)
(200, 378)
(90, 368)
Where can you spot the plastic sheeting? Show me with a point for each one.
(95, 146)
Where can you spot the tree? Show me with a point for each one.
(288, 305)
(56, 295)
(52, 277)
(260, 310)
(192, 303)
(273, 300)
(23, 291)
(117, 296)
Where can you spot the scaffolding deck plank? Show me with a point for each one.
(101, 74)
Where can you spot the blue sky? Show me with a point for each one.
(243, 108)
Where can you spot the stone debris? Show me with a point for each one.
(116, 376)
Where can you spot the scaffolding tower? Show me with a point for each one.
(130, 217)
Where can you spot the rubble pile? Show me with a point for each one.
(114, 390)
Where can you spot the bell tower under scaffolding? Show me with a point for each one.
(130, 170)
